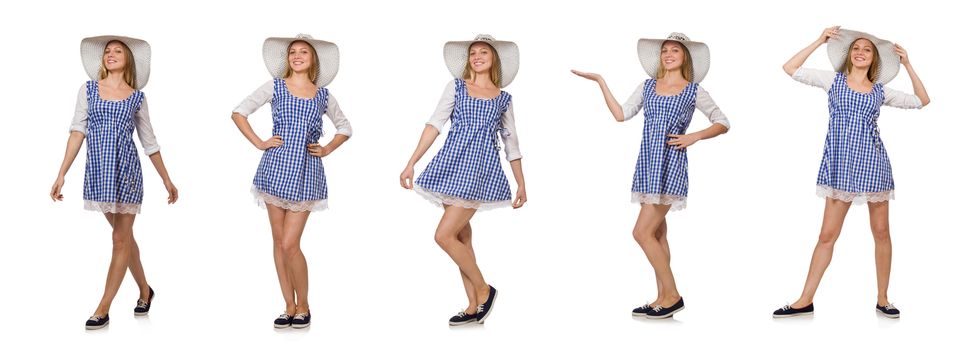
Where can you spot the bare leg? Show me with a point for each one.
(276, 216)
(121, 253)
(447, 237)
(651, 217)
(297, 266)
(879, 222)
(466, 238)
(135, 263)
(835, 211)
(661, 237)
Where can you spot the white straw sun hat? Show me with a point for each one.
(455, 53)
(649, 52)
(275, 57)
(889, 61)
(93, 49)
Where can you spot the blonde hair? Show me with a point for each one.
(686, 69)
(873, 73)
(128, 72)
(312, 71)
(495, 65)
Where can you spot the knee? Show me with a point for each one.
(880, 232)
(828, 237)
(290, 247)
(444, 239)
(644, 236)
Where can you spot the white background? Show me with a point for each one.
(566, 266)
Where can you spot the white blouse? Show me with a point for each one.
(265, 93)
(703, 102)
(444, 109)
(824, 78)
(142, 125)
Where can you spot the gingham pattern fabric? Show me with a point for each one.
(289, 174)
(467, 170)
(855, 167)
(661, 169)
(113, 175)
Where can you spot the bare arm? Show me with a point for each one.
(610, 101)
(918, 88)
(244, 125)
(684, 141)
(796, 61)
(70, 153)
(521, 196)
(425, 141)
(156, 159)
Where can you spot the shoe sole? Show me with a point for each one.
(888, 315)
(793, 315)
(279, 326)
(453, 324)
(141, 313)
(95, 327)
(299, 326)
(482, 319)
(637, 314)
(664, 316)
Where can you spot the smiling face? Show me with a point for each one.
(482, 59)
(302, 59)
(114, 58)
(673, 57)
(117, 58)
(862, 55)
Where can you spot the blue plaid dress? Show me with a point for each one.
(288, 176)
(855, 167)
(467, 170)
(113, 175)
(661, 169)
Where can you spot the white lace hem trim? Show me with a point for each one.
(262, 199)
(439, 200)
(675, 202)
(115, 208)
(854, 197)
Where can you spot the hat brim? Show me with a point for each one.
(93, 49)
(649, 52)
(275, 58)
(455, 53)
(889, 61)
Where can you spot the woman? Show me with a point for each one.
(676, 67)
(855, 167)
(290, 181)
(466, 175)
(110, 106)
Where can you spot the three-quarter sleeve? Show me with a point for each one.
(708, 107)
(144, 128)
(444, 109)
(80, 121)
(508, 134)
(815, 77)
(334, 112)
(261, 96)
(899, 99)
(634, 103)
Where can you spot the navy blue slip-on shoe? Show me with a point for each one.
(888, 311)
(301, 320)
(463, 318)
(142, 306)
(642, 310)
(483, 310)
(97, 322)
(788, 311)
(659, 311)
(283, 321)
